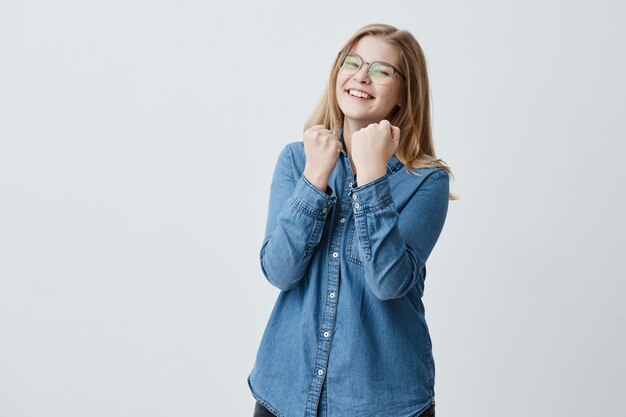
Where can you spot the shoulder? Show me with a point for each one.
(422, 176)
(422, 185)
(293, 149)
(296, 148)
(420, 190)
(437, 174)
(292, 155)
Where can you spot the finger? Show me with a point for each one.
(385, 123)
(395, 133)
(316, 128)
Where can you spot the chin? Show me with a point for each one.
(361, 117)
(357, 114)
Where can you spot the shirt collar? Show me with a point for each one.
(393, 164)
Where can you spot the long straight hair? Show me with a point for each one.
(415, 149)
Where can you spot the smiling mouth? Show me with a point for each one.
(359, 94)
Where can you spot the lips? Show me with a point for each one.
(359, 94)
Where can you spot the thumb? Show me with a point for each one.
(395, 133)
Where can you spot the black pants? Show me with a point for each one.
(260, 411)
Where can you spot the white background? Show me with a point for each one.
(137, 143)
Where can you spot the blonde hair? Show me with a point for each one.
(416, 148)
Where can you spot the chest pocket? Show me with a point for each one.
(352, 254)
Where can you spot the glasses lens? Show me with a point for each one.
(380, 72)
(351, 64)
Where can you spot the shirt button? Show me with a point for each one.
(335, 254)
(332, 295)
(354, 196)
(357, 205)
(320, 372)
(323, 210)
(326, 334)
(342, 220)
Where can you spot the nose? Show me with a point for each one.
(362, 75)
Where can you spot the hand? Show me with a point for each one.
(322, 149)
(372, 147)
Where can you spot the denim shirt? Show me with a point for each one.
(347, 335)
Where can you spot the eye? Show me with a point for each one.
(380, 69)
(352, 62)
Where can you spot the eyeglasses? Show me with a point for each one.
(379, 72)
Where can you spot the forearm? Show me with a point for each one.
(394, 247)
(287, 249)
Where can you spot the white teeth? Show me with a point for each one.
(359, 94)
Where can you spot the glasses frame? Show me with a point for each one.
(369, 66)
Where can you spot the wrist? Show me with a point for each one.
(320, 181)
(366, 176)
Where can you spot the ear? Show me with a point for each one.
(393, 113)
(401, 99)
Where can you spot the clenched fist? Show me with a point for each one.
(321, 148)
(372, 146)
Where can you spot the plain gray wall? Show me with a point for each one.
(137, 143)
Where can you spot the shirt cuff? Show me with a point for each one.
(371, 197)
(309, 200)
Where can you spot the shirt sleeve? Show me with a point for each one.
(394, 247)
(295, 221)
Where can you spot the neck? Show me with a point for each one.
(349, 127)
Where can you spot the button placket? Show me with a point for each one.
(329, 315)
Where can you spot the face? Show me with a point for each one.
(380, 99)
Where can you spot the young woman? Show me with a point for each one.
(355, 210)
